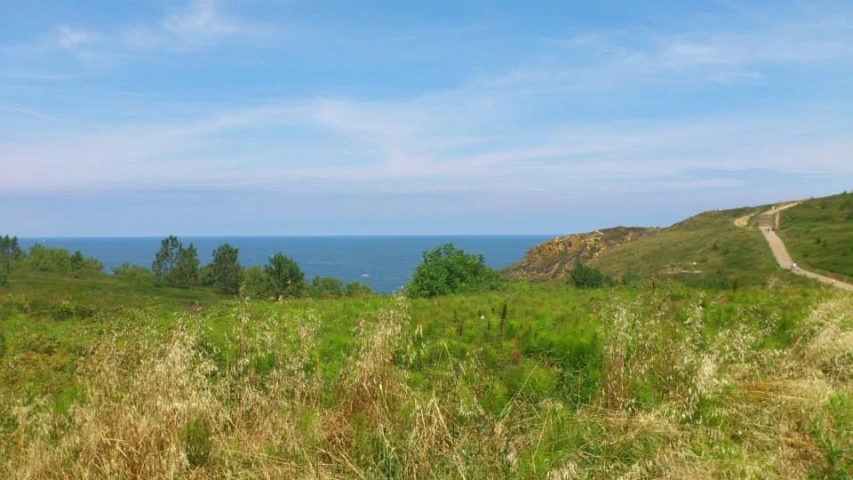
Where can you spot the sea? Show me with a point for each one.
(384, 263)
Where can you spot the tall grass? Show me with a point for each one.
(702, 389)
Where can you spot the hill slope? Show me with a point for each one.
(819, 234)
(719, 248)
(553, 259)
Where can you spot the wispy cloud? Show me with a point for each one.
(199, 24)
(69, 37)
(497, 132)
(612, 59)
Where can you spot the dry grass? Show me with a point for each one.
(673, 404)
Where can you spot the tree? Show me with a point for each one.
(77, 261)
(174, 265)
(284, 276)
(10, 251)
(446, 270)
(225, 270)
(185, 273)
(166, 259)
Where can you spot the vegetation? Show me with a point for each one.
(717, 374)
(10, 251)
(588, 277)
(819, 235)
(225, 270)
(447, 270)
(284, 277)
(722, 252)
(59, 260)
(174, 265)
(524, 381)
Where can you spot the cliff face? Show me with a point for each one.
(554, 259)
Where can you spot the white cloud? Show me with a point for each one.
(203, 19)
(486, 134)
(69, 37)
(200, 23)
(604, 60)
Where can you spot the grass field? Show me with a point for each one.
(819, 235)
(105, 380)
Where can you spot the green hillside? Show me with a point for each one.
(819, 234)
(722, 252)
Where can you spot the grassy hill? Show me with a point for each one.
(819, 234)
(722, 251)
(719, 248)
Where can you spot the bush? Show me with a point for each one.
(195, 436)
(133, 273)
(66, 309)
(717, 283)
(254, 283)
(588, 277)
(357, 289)
(833, 433)
(326, 287)
(4, 279)
(59, 260)
(2, 345)
(630, 278)
(446, 270)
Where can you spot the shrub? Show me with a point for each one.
(833, 434)
(326, 287)
(630, 278)
(717, 283)
(254, 283)
(59, 260)
(133, 273)
(588, 277)
(4, 279)
(66, 309)
(446, 270)
(357, 289)
(195, 436)
(2, 345)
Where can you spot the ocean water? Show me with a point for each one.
(384, 263)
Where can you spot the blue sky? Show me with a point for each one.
(218, 117)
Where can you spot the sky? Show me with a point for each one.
(339, 117)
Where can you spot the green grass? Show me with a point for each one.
(720, 249)
(536, 360)
(527, 381)
(819, 235)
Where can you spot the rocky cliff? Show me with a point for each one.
(554, 259)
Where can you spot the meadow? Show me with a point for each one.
(819, 235)
(106, 379)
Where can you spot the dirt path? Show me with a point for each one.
(744, 220)
(767, 223)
